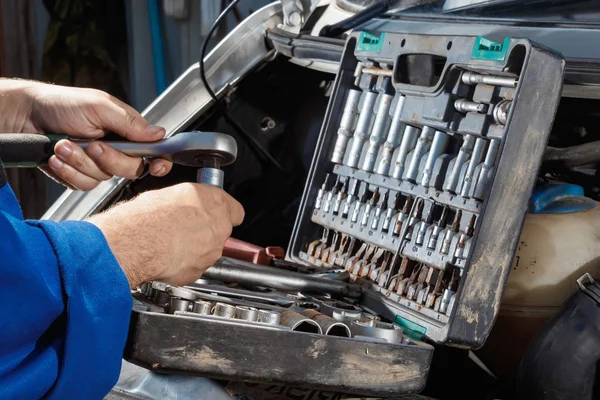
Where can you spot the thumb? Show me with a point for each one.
(125, 121)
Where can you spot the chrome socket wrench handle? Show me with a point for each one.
(438, 147)
(344, 132)
(380, 127)
(463, 155)
(393, 139)
(409, 141)
(478, 151)
(363, 127)
(423, 144)
(486, 169)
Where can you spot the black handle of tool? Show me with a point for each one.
(27, 150)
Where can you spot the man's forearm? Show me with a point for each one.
(17, 97)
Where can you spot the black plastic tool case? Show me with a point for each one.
(508, 122)
(231, 350)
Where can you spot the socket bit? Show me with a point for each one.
(344, 132)
(363, 127)
(369, 206)
(416, 217)
(478, 151)
(424, 225)
(438, 147)
(462, 241)
(330, 195)
(451, 232)
(446, 300)
(380, 127)
(486, 169)
(403, 216)
(393, 139)
(379, 210)
(358, 203)
(321, 193)
(340, 197)
(463, 155)
(351, 196)
(472, 78)
(409, 141)
(437, 229)
(423, 145)
(466, 106)
(389, 214)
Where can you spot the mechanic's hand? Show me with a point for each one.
(35, 107)
(172, 234)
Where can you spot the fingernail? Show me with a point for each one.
(155, 130)
(55, 163)
(64, 150)
(161, 171)
(95, 151)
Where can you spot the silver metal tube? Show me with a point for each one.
(478, 150)
(329, 326)
(423, 144)
(380, 127)
(246, 313)
(463, 155)
(224, 310)
(347, 121)
(472, 78)
(438, 147)
(486, 169)
(393, 139)
(211, 176)
(269, 317)
(202, 307)
(409, 141)
(299, 322)
(363, 127)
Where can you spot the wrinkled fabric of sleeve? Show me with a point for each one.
(65, 306)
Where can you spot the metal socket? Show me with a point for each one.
(377, 329)
(202, 307)
(269, 317)
(346, 124)
(423, 145)
(329, 326)
(380, 127)
(463, 155)
(246, 313)
(363, 127)
(409, 141)
(178, 304)
(438, 147)
(298, 322)
(224, 310)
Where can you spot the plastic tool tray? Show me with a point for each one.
(420, 181)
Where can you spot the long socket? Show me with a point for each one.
(363, 128)
(409, 141)
(486, 169)
(463, 155)
(423, 145)
(380, 127)
(438, 147)
(478, 151)
(393, 139)
(347, 122)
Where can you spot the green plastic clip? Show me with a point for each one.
(370, 43)
(486, 49)
(412, 330)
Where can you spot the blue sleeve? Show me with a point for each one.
(65, 306)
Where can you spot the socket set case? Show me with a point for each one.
(420, 182)
(416, 194)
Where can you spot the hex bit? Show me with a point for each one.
(451, 232)
(379, 210)
(367, 212)
(321, 193)
(437, 229)
(389, 214)
(464, 236)
(352, 191)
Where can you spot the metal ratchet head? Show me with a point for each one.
(208, 151)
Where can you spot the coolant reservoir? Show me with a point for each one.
(560, 242)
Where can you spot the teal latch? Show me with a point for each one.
(370, 43)
(412, 330)
(486, 49)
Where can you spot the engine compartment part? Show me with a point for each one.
(408, 187)
(561, 362)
